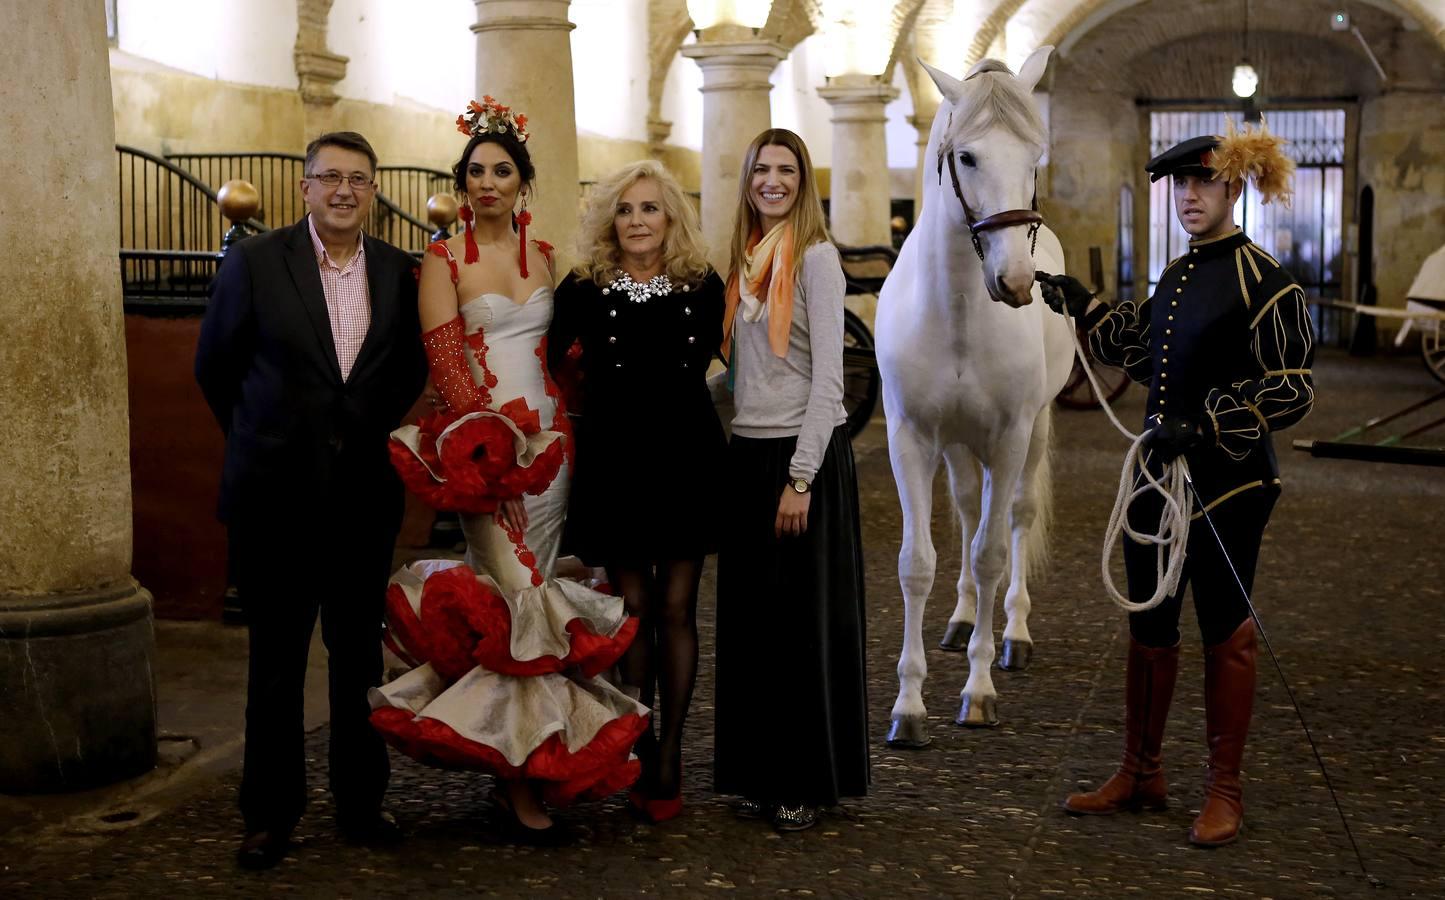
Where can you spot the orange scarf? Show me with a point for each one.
(766, 255)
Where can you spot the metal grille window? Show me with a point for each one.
(1124, 265)
(1306, 237)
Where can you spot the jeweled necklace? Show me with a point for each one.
(656, 286)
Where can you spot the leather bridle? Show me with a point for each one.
(1006, 219)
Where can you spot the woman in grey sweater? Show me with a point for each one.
(792, 711)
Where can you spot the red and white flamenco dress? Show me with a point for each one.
(502, 657)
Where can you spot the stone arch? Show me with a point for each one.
(1084, 13)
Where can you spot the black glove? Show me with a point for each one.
(1173, 437)
(1064, 292)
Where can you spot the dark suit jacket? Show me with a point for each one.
(297, 435)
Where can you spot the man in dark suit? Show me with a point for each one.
(310, 354)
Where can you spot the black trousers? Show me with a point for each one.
(290, 569)
(1218, 604)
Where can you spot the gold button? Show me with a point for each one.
(612, 339)
(1165, 360)
(1163, 374)
(1162, 387)
(1162, 401)
(691, 339)
(1183, 277)
(1166, 346)
(1191, 265)
(1171, 317)
(1179, 290)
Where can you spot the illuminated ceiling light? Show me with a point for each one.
(856, 37)
(1245, 81)
(748, 13)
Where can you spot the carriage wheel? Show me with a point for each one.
(1079, 394)
(1432, 348)
(860, 381)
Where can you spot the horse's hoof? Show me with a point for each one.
(978, 712)
(908, 733)
(956, 637)
(1016, 655)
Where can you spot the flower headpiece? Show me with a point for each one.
(491, 117)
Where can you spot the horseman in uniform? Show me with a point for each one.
(1224, 346)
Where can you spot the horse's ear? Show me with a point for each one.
(948, 86)
(1032, 70)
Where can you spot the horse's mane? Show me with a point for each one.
(991, 97)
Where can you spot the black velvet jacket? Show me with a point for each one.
(1226, 341)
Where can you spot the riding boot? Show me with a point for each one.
(1228, 702)
(1139, 783)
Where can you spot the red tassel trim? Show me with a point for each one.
(524, 218)
(467, 216)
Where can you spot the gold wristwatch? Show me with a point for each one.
(800, 485)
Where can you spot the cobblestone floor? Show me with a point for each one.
(1350, 589)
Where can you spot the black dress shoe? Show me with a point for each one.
(554, 835)
(379, 829)
(262, 850)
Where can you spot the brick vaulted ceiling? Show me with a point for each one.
(1163, 49)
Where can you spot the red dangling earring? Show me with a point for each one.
(467, 215)
(523, 219)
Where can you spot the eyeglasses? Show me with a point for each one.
(358, 181)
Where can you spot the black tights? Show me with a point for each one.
(662, 659)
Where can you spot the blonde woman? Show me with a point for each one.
(640, 317)
(792, 712)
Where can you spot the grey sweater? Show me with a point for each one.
(801, 393)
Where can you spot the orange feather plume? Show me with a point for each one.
(1258, 155)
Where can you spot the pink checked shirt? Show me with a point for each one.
(348, 299)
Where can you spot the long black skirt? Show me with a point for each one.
(792, 697)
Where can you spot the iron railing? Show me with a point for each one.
(409, 187)
(171, 228)
(276, 177)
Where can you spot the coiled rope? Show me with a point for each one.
(1172, 536)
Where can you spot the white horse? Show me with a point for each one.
(970, 368)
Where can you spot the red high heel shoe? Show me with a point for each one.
(659, 811)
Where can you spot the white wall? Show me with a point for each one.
(610, 67)
(796, 104)
(682, 101)
(902, 136)
(249, 43)
(399, 53)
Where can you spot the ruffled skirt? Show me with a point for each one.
(508, 685)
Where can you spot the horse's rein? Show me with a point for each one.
(1006, 219)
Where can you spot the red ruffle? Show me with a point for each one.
(439, 248)
(477, 462)
(600, 768)
(464, 623)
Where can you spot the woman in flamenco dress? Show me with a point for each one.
(500, 658)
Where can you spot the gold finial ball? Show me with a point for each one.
(441, 210)
(898, 224)
(239, 200)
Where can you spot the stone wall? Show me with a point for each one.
(1402, 155)
(164, 110)
(1094, 153)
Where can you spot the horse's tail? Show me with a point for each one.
(1043, 490)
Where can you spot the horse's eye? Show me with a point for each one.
(967, 159)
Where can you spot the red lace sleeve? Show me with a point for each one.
(449, 370)
(440, 248)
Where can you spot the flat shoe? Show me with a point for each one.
(746, 808)
(262, 850)
(795, 818)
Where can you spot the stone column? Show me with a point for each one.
(77, 697)
(859, 209)
(524, 60)
(736, 107)
(922, 120)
